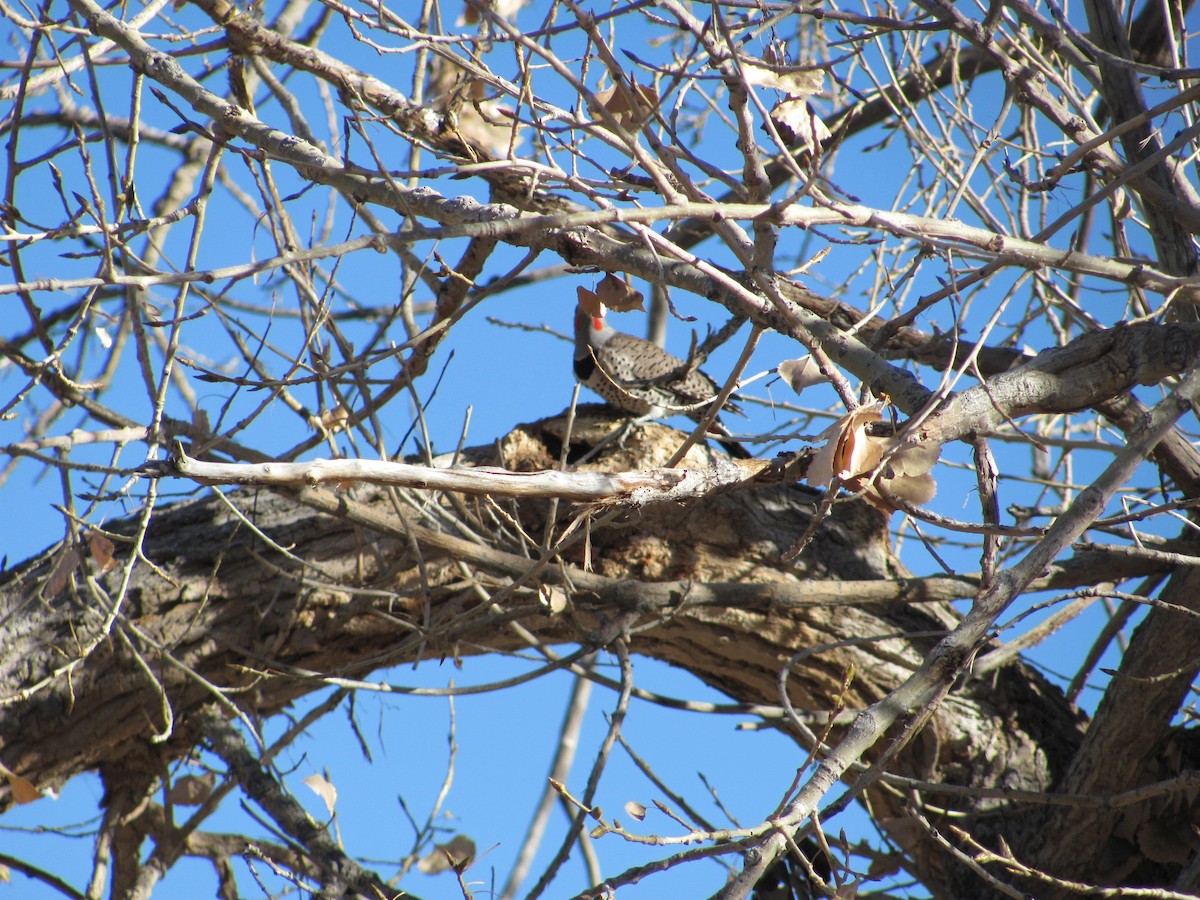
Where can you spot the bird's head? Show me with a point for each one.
(590, 330)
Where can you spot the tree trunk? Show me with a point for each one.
(222, 612)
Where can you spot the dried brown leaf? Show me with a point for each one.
(192, 790)
(801, 373)
(102, 551)
(505, 9)
(821, 470)
(796, 83)
(915, 489)
(456, 854)
(589, 302)
(851, 453)
(22, 789)
(629, 104)
(916, 458)
(553, 598)
(1165, 842)
(884, 865)
(323, 788)
(798, 124)
(907, 472)
(857, 454)
(618, 295)
(68, 560)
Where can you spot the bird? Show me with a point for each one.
(641, 378)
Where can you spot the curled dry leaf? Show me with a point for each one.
(589, 302)
(636, 810)
(851, 453)
(1165, 842)
(505, 9)
(844, 452)
(911, 479)
(455, 854)
(611, 292)
(323, 788)
(65, 563)
(798, 124)
(792, 81)
(23, 790)
(102, 551)
(883, 866)
(631, 105)
(801, 373)
(192, 790)
(618, 295)
(553, 598)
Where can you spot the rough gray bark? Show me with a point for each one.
(236, 617)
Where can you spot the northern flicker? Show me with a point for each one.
(635, 376)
